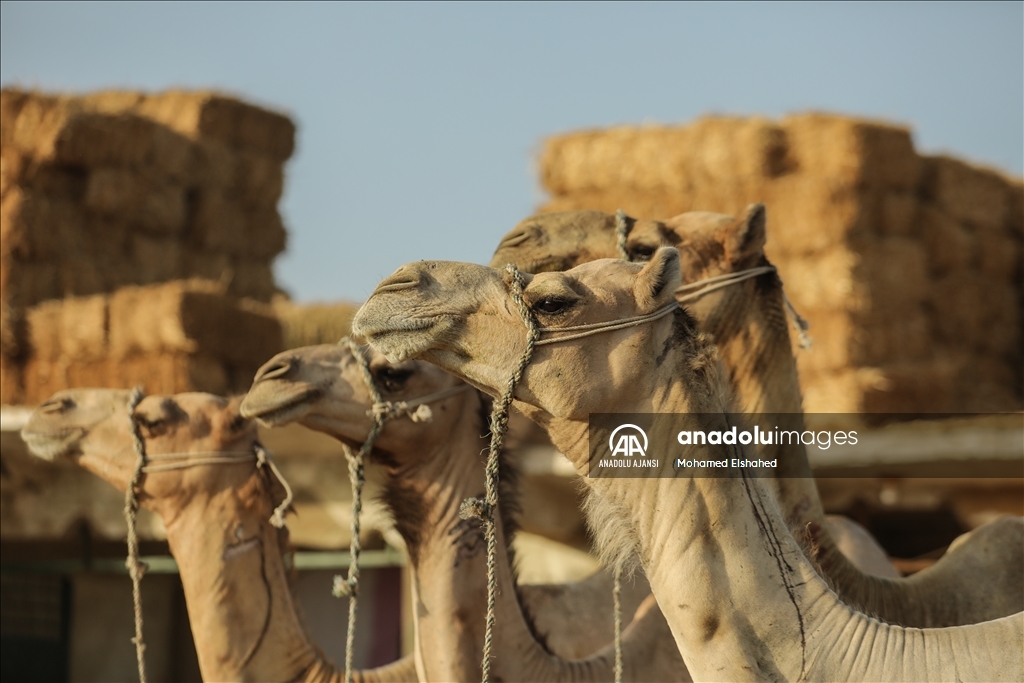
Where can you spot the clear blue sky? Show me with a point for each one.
(419, 123)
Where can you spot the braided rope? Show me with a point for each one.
(617, 608)
(136, 568)
(622, 227)
(349, 585)
(484, 510)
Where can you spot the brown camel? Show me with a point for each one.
(434, 462)
(749, 324)
(741, 598)
(242, 613)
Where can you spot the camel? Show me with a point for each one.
(740, 596)
(243, 617)
(433, 463)
(749, 324)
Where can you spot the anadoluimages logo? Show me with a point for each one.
(628, 444)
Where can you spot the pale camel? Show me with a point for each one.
(750, 328)
(433, 463)
(741, 598)
(230, 557)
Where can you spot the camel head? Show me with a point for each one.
(709, 243)
(462, 318)
(322, 387)
(93, 428)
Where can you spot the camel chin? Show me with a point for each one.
(50, 446)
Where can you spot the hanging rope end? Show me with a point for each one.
(342, 587)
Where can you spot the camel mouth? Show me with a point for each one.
(281, 410)
(52, 445)
(399, 344)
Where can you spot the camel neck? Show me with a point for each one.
(449, 575)
(242, 614)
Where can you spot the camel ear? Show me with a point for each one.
(657, 282)
(750, 232)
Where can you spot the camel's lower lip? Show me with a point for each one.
(407, 325)
(286, 411)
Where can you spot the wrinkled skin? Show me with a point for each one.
(230, 557)
(740, 596)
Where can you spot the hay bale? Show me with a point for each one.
(34, 224)
(968, 193)
(157, 259)
(899, 214)
(162, 373)
(312, 324)
(253, 279)
(74, 328)
(843, 340)
(158, 208)
(189, 317)
(999, 253)
(967, 306)
(258, 180)
(949, 245)
(11, 383)
(854, 152)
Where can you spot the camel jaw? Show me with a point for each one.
(276, 408)
(52, 445)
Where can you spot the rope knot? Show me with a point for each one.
(475, 508)
(344, 588)
(136, 568)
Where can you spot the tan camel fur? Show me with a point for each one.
(750, 328)
(432, 467)
(243, 616)
(741, 598)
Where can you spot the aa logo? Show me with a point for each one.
(627, 443)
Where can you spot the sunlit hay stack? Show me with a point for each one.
(312, 324)
(908, 267)
(112, 189)
(177, 336)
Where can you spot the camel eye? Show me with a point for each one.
(393, 378)
(551, 305)
(57, 405)
(642, 252)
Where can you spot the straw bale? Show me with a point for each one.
(950, 246)
(844, 340)
(223, 327)
(253, 279)
(267, 236)
(999, 253)
(219, 224)
(213, 115)
(11, 383)
(839, 392)
(311, 324)
(899, 213)
(825, 282)
(157, 259)
(12, 166)
(258, 181)
(215, 163)
(25, 284)
(853, 151)
(35, 225)
(892, 274)
(74, 327)
(969, 193)
(13, 332)
(190, 317)
(162, 373)
(158, 208)
(207, 265)
(1015, 213)
(968, 306)
(11, 102)
(661, 158)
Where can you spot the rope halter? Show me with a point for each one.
(417, 409)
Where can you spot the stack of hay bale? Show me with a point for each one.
(105, 192)
(908, 267)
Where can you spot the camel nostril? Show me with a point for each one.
(515, 239)
(403, 278)
(273, 370)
